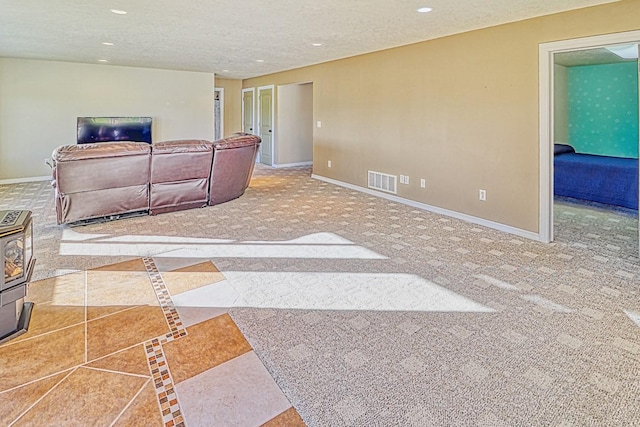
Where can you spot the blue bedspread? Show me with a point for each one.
(610, 180)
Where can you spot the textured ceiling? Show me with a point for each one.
(214, 36)
(588, 57)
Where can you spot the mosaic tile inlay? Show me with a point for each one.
(165, 391)
(166, 303)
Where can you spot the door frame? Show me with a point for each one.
(546, 80)
(273, 118)
(253, 104)
(221, 91)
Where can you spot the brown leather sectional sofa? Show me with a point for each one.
(108, 180)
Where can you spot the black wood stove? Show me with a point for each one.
(16, 250)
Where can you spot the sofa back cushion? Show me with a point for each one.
(89, 167)
(173, 161)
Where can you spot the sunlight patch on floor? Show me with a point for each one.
(346, 291)
(317, 245)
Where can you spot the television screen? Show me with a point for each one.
(106, 129)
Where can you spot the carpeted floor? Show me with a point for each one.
(368, 312)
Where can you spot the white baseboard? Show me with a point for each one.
(464, 217)
(29, 179)
(291, 165)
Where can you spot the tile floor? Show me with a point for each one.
(125, 344)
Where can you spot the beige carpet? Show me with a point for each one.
(368, 312)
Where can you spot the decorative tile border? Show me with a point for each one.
(166, 303)
(163, 382)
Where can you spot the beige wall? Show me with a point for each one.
(232, 104)
(294, 124)
(40, 101)
(460, 112)
(560, 104)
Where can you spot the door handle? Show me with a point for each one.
(269, 130)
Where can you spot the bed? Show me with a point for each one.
(602, 179)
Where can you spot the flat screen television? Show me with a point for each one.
(106, 129)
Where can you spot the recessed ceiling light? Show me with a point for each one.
(107, 43)
(259, 60)
(225, 71)
(102, 60)
(316, 44)
(424, 10)
(119, 11)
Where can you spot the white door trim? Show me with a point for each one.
(253, 103)
(221, 90)
(273, 118)
(545, 74)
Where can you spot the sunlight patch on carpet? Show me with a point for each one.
(635, 317)
(346, 291)
(317, 245)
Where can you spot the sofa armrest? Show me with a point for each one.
(233, 161)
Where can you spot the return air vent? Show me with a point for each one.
(383, 182)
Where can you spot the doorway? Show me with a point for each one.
(294, 120)
(265, 124)
(549, 130)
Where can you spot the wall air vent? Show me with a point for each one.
(383, 182)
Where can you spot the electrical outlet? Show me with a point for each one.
(329, 163)
(423, 183)
(403, 179)
(319, 124)
(482, 195)
(406, 179)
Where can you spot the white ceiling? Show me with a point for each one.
(218, 35)
(595, 56)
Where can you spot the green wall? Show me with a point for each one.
(603, 109)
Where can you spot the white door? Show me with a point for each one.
(247, 110)
(265, 120)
